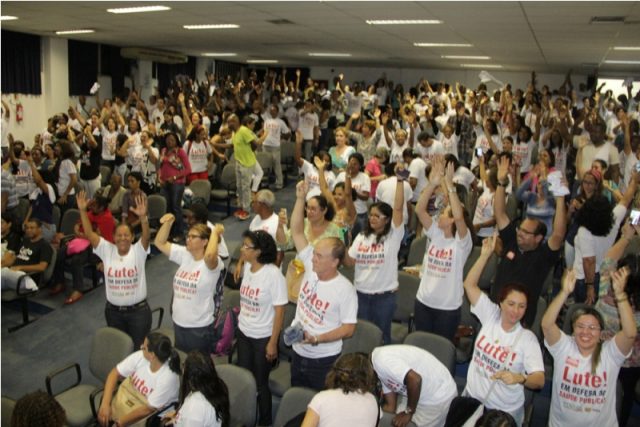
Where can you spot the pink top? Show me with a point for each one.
(373, 169)
(174, 163)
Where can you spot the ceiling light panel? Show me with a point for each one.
(443, 45)
(610, 61)
(219, 54)
(8, 18)
(481, 65)
(465, 57)
(65, 32)
(138, 9)
(626, 48)
(210, 26)
(402, 21)
(327, 54)
(262, 61)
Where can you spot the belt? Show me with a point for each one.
(137, 306)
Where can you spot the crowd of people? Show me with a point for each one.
(545, 180)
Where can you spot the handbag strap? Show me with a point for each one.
(493, 384)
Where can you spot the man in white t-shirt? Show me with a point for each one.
(386, 192)
(157, 117)
(417, 173)
(309, 125)
(416, 386)
(598, 149)
(327, 305)
(276, 128)
(428, 147)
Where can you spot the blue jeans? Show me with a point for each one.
(135, 322)
(440, 322)
(580, 291)
(379, 309)
(310, 373)
(173, 193)
(252, 355)
(188, 339)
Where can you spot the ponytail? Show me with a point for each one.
(174, 362)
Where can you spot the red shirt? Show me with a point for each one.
(103, 222)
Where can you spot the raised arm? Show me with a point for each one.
(550, 329)
(435, 177)
(94, 238)
(499, 201)
(631, 189)
(398, 201)
(141, 211)
(297, 153)
(625, 338)
(162, 237)
(456, 207)
(297, 217)
(211, 251)
(471, 287)
(324, 187)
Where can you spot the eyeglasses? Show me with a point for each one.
(591, 328)
(525, 231)
(193, 236)
(245, 246)
(312, 208)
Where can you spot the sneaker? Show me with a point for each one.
(243, 215)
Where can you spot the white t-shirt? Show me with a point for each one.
(587, 245)
(276, 128)
(376, 268)
(581, 398)
(484, 212)
(125, 278)
(443, 265)
(193, 288)
(362, 184)
(386, 192)
(450, 144)
(306, 123)
(160, 387)
(259, 292)
(270, 225)
(67, 168)
(337, 409)
(109, 143)
(464, 177)
(198, 154)
(418, 170)
(313, 179)
(23, 178)
(392, 363)
(482, 142)
(493, 351)
(522, 153)
(427, 153)
(196, 411)
(322, 307)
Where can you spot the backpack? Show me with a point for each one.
(225, 330)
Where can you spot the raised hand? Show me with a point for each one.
(168, 217)
(140, 208)
(449, 175)
(503, 168)
(489, 245)
(569, 282)
(320, 163)
(301, 190)
(619, 280)
(81, 201)
(299, 137)
(437, 170)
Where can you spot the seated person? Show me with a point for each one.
(114, 192)
(33, 256)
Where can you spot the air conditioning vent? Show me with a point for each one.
(154, 55)
(607, 20)
(280, 21)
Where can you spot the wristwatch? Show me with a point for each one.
(408, 411)
(525, 376)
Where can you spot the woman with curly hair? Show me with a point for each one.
(38, 409)
(204, 398)
(348, 399)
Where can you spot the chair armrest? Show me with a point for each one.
(57, 372)
(24, 292)
(160, 310)
(92, 401)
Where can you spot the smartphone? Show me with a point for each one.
(403, 174)
(638, 167)
(479, 152)
(635, 217)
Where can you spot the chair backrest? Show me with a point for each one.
(406, 296)
(7, 408)
(366, 337)
(294, 401)
(488, 274)
(20, 212)
(440, 347)
(567, 327)
(287, 151)
(289, 314)
(417, 250)
(157, 206)
(69, 220)
(242, 394)
(105, 175)
(56, 216)
(228, 176)
(201, 189)
(48, 272)
(108, 348)
(265, 161)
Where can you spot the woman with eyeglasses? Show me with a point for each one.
(506, 356)
(263, 296)
(197, 290)
(151, 380)
(585, 367)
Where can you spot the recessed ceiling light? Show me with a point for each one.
(464, 57)
(329, 54)
(210, 26)
(262, 61)
(622, 62)
(139, 9)
(8, 18)
(219, 54)
(626, 48)
(60, 33)
(402, 21)
(443, 45)
(481, 65)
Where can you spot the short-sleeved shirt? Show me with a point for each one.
(125, 278)
(270, 225)
(386, 192)
(312, 179)
(337, 409)
(259, 293)
(31, 253)
(418, 170)
(194, 286)
(322, 307)
(90, 160)
(196, 411)
(9, 187)
(67, 168)
(198, 153)
(242, 150)
(159, 388)
(362, 184)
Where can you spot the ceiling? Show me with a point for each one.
(520, 36)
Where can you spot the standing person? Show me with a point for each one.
(277, 129)
(197, 288)
(416, 386)
(65, 175)
(90, 155)
(41, 206)
(506, 356)
(263, 296)
(341, 152)
(439, 298)
(584, 367)
(200, 155)
(361, 183)
(311, 174)
(204, 397)
(243, 141)
(374, 255)
(129, 200)
(341, 198)
(174, 168)
(309, 126)
(151, 373)
(124, 272)
(327, 304)
(348, 398)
